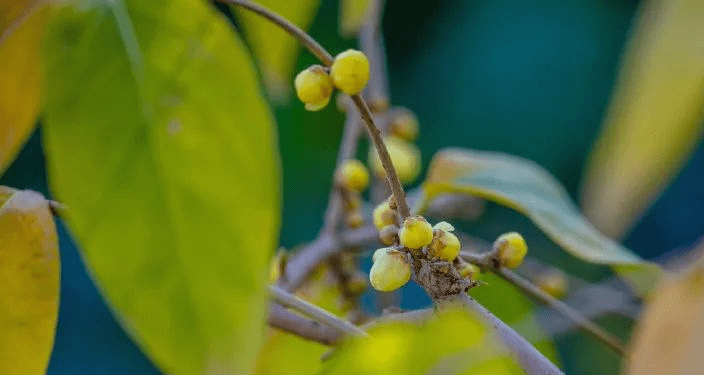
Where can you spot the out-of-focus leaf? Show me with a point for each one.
(159, 141)
(352, 16)
(281, 349)
(670, 334)
(524, 186)
(29, 282)
(655, 118)
(453, 342)
(20, 75)
(274, 49)
(514, 308)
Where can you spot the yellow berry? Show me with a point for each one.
(354, 219)
(384, 215)
(390, 271)
(353, 175)
(554, 283)
(389, 235)
(468, 270)
(445, 245)
(314, 87)
(405, 157)
(404, 124)
(415, 233)
(512, 249)
(350, 71)
(380, 252)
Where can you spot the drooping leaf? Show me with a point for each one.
(352, 16)
(668, 339)
(162, 147)
(452, 342)
(29, 282)
(655, 118)
(524, 186)
(274, 49)
(20, 74)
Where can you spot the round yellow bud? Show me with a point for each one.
(445, 245)
(350, 71)
(380, 252)
(554, 283)
(404, 124)
(314, 87)
(354, 219)
(405, 158)
(384, 215)
(415, 233)
(512, 249)
(390, 271)
(353, 175)
(468, 270)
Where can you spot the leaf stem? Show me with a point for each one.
(325, 57)
(315, 312)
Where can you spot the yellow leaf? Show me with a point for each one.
(655, 118)
(274, 49)
(668, 339)
(352, 16)
(20, 80)
(29, 282)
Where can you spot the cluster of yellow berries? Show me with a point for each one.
(392, 268)
(349, 72)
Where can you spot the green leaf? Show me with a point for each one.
(275, 50)
(29, 282)
(21, 33)
(669, 334)
(524, 186)
(452, 342)
(352, 16)
(160, 144)
(655, 118)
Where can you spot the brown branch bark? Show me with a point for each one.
(282, 319)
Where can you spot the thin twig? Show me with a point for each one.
(531, 360)
(315, 312)
(327, 59)
(532, 290)
(282, 319)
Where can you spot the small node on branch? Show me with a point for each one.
(511, 248)
(350, 71)
(391, 270)
(314, 87)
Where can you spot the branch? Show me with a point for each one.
(287, 321)
(372, 44)
(531, 360)
(289, 300)
(325, 57)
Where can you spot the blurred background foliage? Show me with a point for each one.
(530, 78)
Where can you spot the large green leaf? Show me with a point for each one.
(29, 282)
(162, 147)
(21, 31)
(276, 50)
(655, 119)
(453, 342)
(529, 189)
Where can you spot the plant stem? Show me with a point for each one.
(327, 59)
(282, 319)
(372, 44)
(531, 360)
(532, 290)
(315, 312)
